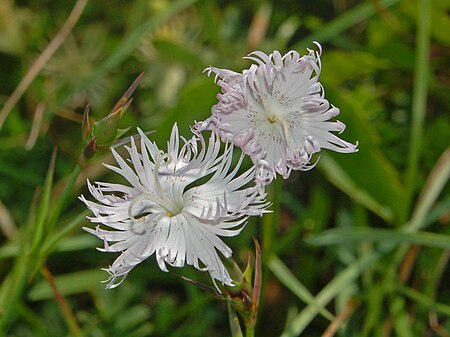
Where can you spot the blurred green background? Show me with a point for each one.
(361, 241)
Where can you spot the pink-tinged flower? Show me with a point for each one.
(276, 112)
(175, 205)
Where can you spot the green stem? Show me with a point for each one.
(269, 226)
(30, 256)
(270, 220)
(419, 103)
(233, 319)
(12, 289)
(249, 331)
(62, 200)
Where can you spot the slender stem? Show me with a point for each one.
(59, 206)
(40, 223)
(15, 281)
(270, 224)
(56, 236)
(67, 312)
(270, 221)
(250, 331)
(341, 319)
(233, 319)
(30, 257)
(257, 284)
(434, 185)
(419, 103)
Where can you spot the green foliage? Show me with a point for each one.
(361, 241)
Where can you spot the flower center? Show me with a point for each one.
(272, 119)
(173, 209)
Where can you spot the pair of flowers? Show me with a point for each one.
(275, 112)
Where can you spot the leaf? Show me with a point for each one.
(172, 51)
(340, 178)
(344, 21)
(400, 317)
(367, 176)
(279, 269)
(195, 102)
(68, 284)
(44, 207)
(440, 25)
(436, 182)
(233, 320)
(346, 236)
(424, 300)
(330, 291)
(419, 102)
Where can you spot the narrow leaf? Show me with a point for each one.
(339, 177)
(331, 290)
(279, 269)
(424, 300)
(68, 284)
(436, 181)
(256, 294)
(357, 235)
(41, 219)
(420, 95)
(345, 21)
(61, 201)
(233, 319)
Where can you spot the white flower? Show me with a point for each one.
(176, 206)
(276, 112)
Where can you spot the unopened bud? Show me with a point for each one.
(102, 134)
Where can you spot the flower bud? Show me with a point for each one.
(102, 134)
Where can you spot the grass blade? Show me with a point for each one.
(233, 319)
(344, 22)
(420, 93)
(67, 284)
(434, 185)
(339, 177)
(64, 306)
(357, 235)
(279, 269)
(418, 297)
(61, 201)
(41, 218)
(331, 290)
